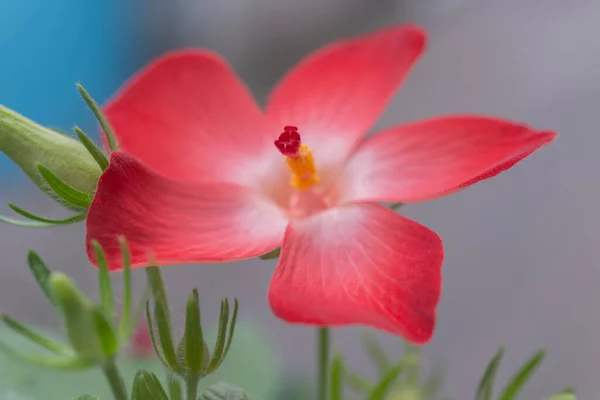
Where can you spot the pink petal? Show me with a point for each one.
(336, 94)
(168, 222)
(360, 264)
(429, 159)
(189, 117)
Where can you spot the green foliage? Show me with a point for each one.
(33, 382)
(402, 380)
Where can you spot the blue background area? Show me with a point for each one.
(47, 46)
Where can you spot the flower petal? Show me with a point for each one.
(189, 117)
(336, 94)
(169, 222)
(429, 159)
(360, 264)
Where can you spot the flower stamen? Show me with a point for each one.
(299, 158)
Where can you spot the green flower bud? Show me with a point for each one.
(28, 144)
(79, 317)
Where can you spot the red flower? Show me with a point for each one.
(199, 179)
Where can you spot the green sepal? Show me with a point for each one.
(395, 206)
(41, 273)
(107, 299)
(126, 327)
(105, 333)
(35, 337)
(59, 130)
(63, 190)
(174, 387)
(271, 255)
(147, 386)
(412, 364)
(106, 127)
(357, 383)
(92, 148)
(153, 336)
(382, 387)
(376, 353)
(433, 383)
(516, 384)
(165, 336)
(36, 221)
(72, 363)
(336, 385)
(221, 336)
(78, 316)
(486, 384)
(224, 391)
(194, 339)
(231, 329)
(565, 394)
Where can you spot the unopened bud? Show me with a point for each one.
(28, 144)
(78, 314)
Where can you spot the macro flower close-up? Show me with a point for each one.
(202, 174)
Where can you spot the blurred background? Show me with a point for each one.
(523, 262)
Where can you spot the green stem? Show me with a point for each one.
(323, 362)
(117, 384)
(192, 388)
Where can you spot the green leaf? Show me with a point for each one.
(518, 381)
(389, 378)
(163, 325)
(92, 148)
(106, 127)
(66, 221)
(46, 343)
(65, 191)
(272, 254)
(126, 327)
(106, 334)
(86, 397)
(146, 386)
(336, 381)
(376, 352)
(486, 384)
(107, 298)
(217, 358)
(41, 273)
(194, 341)
(224, 391)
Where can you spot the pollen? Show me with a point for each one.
(299, 158)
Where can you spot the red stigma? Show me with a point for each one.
(289, 142)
